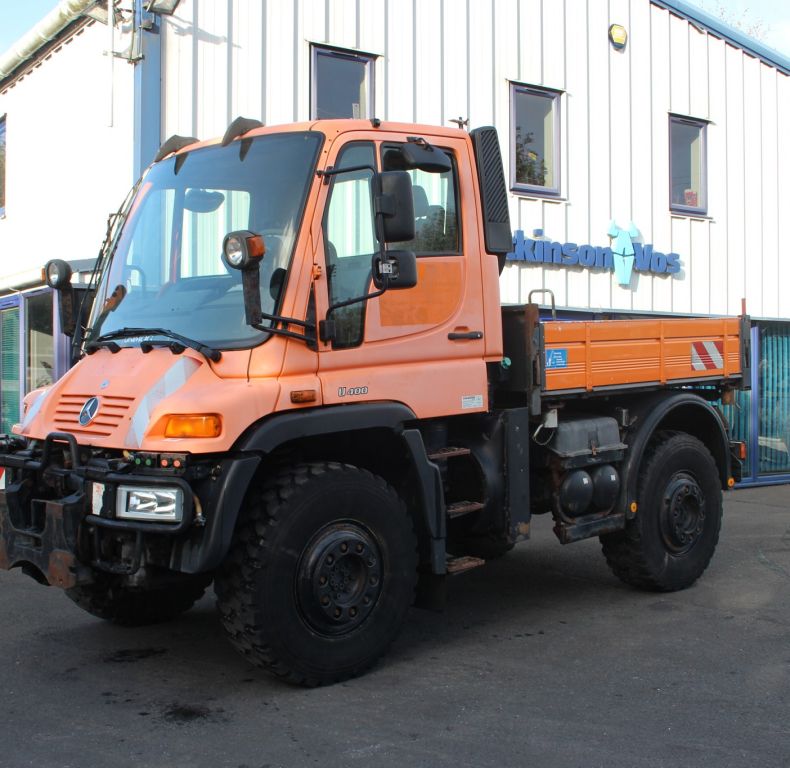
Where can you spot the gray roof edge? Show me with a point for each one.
(728, 33)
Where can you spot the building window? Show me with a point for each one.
(39, 341)
(342, 84)
(9, 368)
(2, 166)
(687, 163)
(535, 145)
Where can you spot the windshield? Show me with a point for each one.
(167, 269)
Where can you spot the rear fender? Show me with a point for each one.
(681, 411)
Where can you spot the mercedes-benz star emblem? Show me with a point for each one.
(89, 411)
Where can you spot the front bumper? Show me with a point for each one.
(50, 528)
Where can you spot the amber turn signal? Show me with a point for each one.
(194, 425)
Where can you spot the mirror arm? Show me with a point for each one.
(68, 321)
(289, 334)
(326, 326)
(251, 283)
(357, 300)
(332, 171)
(251, 287)
(285, 321)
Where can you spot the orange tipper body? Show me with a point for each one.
(595, 355)
(298, 382)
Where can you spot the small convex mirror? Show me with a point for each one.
(417, 154)
(397, 270)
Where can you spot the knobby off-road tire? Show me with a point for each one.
(671, 540)
(320, 575)
(106, 598)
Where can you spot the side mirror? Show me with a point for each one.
(417, 154)
(396, 206)
(57, 274)
(397, 270)
(244, 250)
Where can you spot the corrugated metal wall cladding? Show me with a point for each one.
(441, 59)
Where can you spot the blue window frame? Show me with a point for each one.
(534, 140)
(688, 184)
(341, 84)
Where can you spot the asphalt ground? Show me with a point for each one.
(541, 659)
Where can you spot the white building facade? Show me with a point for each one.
(642, 139)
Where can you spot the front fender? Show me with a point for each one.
(276, 430)
(280, 429)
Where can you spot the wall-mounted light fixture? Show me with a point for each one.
(618, 36)
(165, 7)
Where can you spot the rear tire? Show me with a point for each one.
(320, 575)
(670, 542)
(107, 598)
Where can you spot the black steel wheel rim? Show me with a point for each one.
(339, 578)
(682, 517)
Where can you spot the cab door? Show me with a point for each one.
(422, 346)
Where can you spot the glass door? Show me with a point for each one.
(9, 368)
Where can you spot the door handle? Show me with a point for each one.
(460, 335)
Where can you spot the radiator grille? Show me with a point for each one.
(112, 411)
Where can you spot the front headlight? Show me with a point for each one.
(164, 505)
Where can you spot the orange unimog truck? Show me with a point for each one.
(295, 379)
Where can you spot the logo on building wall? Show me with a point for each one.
(623, 256)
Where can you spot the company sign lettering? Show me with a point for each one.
(622, 257)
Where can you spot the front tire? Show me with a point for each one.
(320, 575)
(670, 542)
(107, 598)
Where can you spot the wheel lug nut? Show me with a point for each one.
(374, 580)
(344, 547)
(337, 613)
(366, 600)
(330, 559)
(324, 600)
(360, 547)
(352, 612)
(322, 581)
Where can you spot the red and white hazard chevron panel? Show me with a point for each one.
(707, 355)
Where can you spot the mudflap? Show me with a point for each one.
(40, 537)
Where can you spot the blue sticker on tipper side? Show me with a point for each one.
(556, 358)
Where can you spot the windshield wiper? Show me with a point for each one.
(108, 340)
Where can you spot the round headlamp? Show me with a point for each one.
(242, 249)
(57, 273)
(234, 251)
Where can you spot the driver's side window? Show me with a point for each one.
(350, 242)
